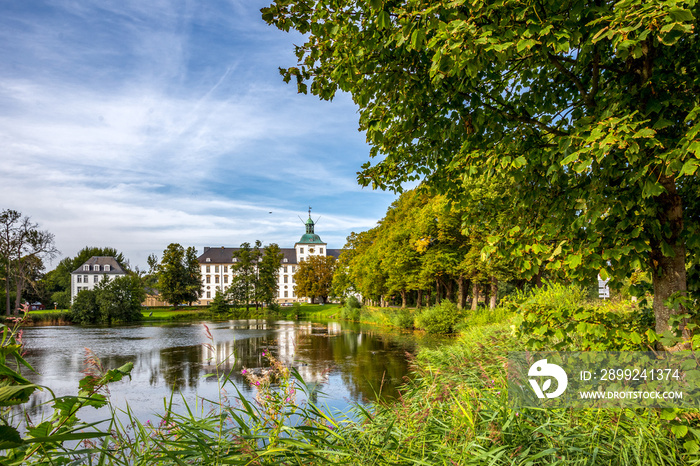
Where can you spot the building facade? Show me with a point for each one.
(92, 272)
(217, 273)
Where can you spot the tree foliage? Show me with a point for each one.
(268, 274)
(117, 300)
(23, 249)
(179, 275)
(58, 280)
(314, 277)
(590, 108)
(245, 269)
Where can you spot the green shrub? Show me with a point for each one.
(220, 304)
(352, 314)
(117, 300)
(439, 319)
(85, 309)
(353, 303)
(403, 318)
(556, 317)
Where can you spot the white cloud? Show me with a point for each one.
(122, 125)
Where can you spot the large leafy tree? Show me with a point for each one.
(245, 269)
(268, 274)
(179, 275)
(23, 248)
(314, 277)
(590, 107)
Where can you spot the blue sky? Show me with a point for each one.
(134, 124)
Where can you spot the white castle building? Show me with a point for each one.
(217, 274)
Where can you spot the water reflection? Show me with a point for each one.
(348, 362)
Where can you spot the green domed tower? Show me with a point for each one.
(310, 243)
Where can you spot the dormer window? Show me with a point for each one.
(96, 268)
(86, 268)
(208, 259)
(285, 260)
(106, 268)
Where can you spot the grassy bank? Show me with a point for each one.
(453, 411)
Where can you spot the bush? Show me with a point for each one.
(85, 309)
(352, 309)
(440, 319)
(557, 318)
(220, 304)
(62, 299)
(353, 303)
(112, 300)
(403, 318)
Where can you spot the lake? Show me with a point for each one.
(348, 362)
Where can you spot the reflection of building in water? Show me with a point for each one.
(217, 272)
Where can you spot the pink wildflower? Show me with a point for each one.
(244, 371)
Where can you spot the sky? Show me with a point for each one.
(134, 124)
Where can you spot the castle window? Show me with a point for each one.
(79, 280)
(301, 250)
(320, 250)
(285, 279)
(208, 278)
(208, 294)
(225, 278)
(286, 294)
(225, 268)
(216, 279)
(208, 268)
(285, 269)
(85, 279)
(216, 269)
(96, 278)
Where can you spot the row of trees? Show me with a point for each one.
(588, 111)
(422, 251)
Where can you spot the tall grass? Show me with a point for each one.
(454, 411)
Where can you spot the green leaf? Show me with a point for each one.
(10, 437)
(574, 260)
(689, 167)
(681, 14)
(668, 414)
(383, 20)
(691, 446)
(679, 430)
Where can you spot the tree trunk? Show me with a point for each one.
(461, 292)
(418, 299)
(475, 295)
(494, 293)
(438, 297)
(7, 295)
(18, 297)
(449, 288)
(403, 299)
(668, 273)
